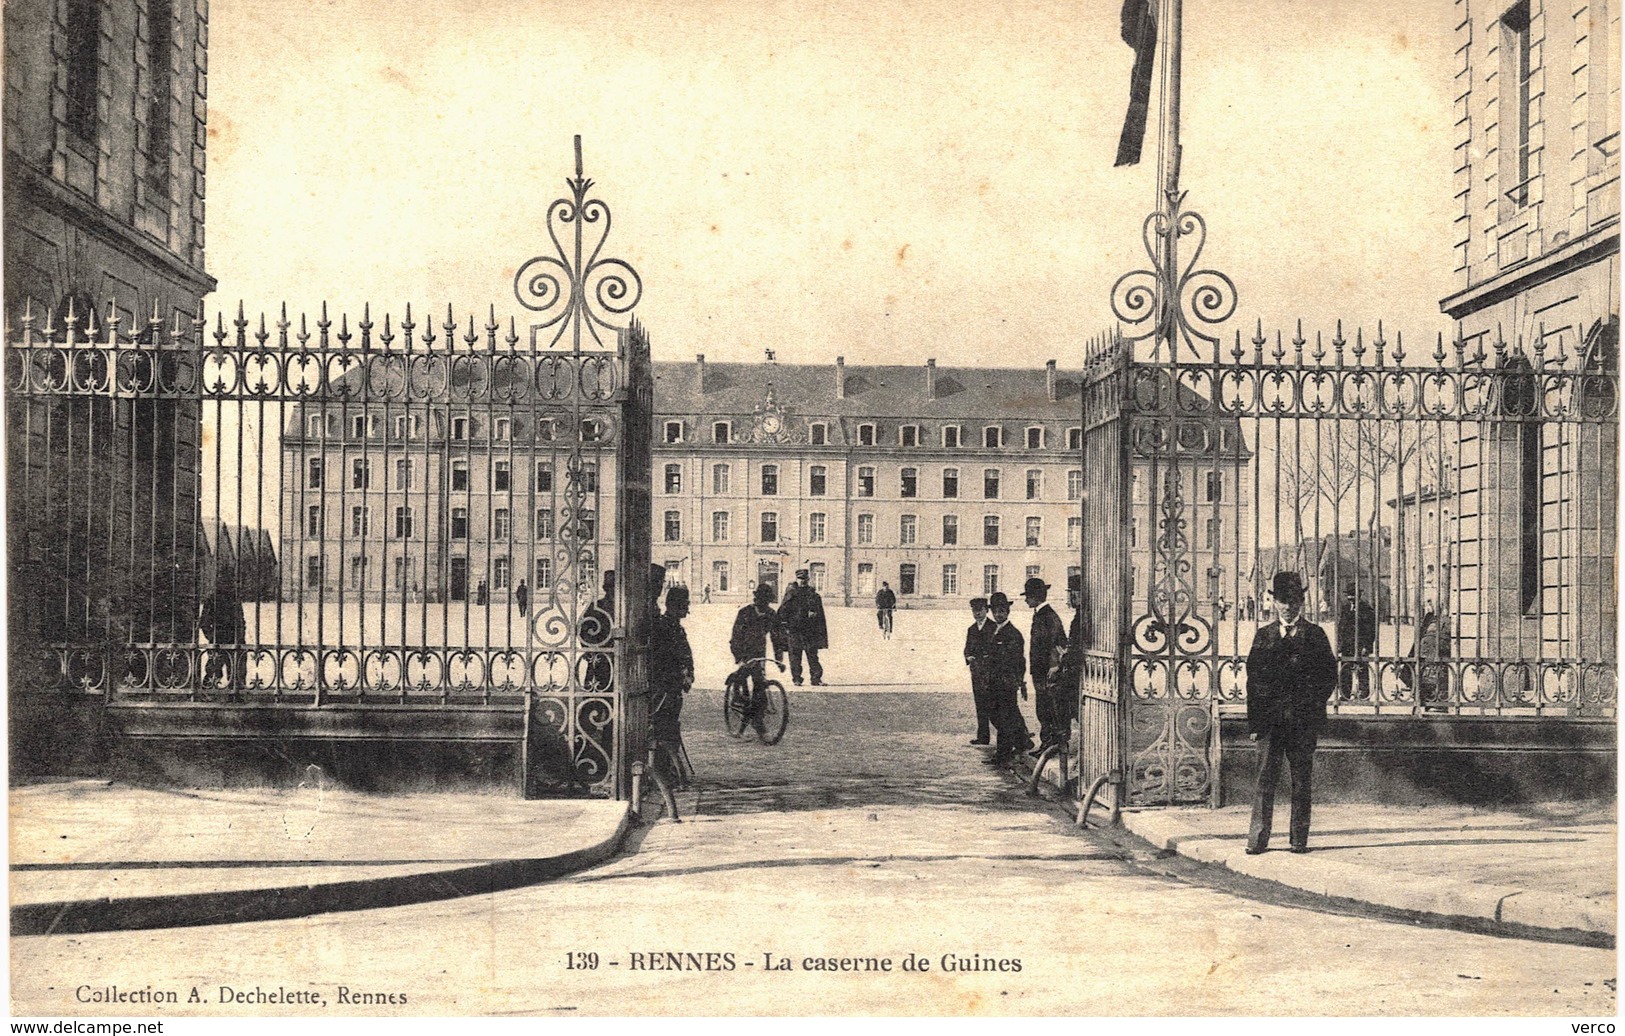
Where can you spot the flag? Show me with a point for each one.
(1139, 32)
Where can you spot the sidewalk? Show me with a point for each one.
(1551, 868)
(96, 856)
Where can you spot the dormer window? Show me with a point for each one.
(1035, 438)
(818, 434)
(720, 432)
(908, 435)
(992, 437)
(866, 435)
(951, 436)
(674, 431)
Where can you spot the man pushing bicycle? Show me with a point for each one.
(755, 625)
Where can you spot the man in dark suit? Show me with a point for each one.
(1048, 643)
(1356, 639)
(976, 657)
(1007, 667)
(1291, 674)
(756, 625)
(801, 613)
(1070, 672)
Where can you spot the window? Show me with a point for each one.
(315, 479)
(459, 523)
(502, 429)
(501, 569)
(403, 523)
(770, 480)
(358, 426)
(674, 431)
(358, 572)
(770, 526)
(545, 430)
(719, 478)
(1035, 438)
(990, 531)
(501, 476)
(1035, 484)
(313, 570)
(360, 521)
(950, 483)
(818, 434)
(403, 474)
(950, 530)
(544, 476)
(719, 432)
(361, 474)
(990, 580)
(543, 528)
(908, 435)
(866, 528)
(1073, 572)
(160, 42)
(719, 527)
(409, 426)
(313, 520)
(1516, 67)
(1074, 531)
(1213, 490)
(403, 573)
(1035, 530)
(459, 428)
(1033, 572)
(83, 64)
(992, 437)
(501, 523)
(908, 529)
(1074, 484)
(587, 525)
(544, 573)
(866, 481)
(817, 480)
(459, 475)
(1134, 533)
(866, 435)
(674, 478)
(906, 577)
(719, 576)
(1136, 490)
(911, 482)
(1210, 533)
(818, 575)
(313, 426)
(1074, 439)
(951, 436)
(990, 484)
(816, 525)
(950, 580)
(589, 476)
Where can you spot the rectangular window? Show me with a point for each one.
(950, 530)
(866, 528)
(674, 478)
(403, 523)
(908, 529)
(501, 476)
(674, 431)
(1210, 533)
(587, 525)
(1517, 66)
(544, 476)
(1035, 530)
(990, 580)
(674, 526)
(770, 527)
(160, 76)
(990, 531)
(359, 521)
(951, 436)
(816, 525)
(866, 481)
(1074, 439)
(817, 480)
(866, 435)
(500, 523)
(589, 476)
(313, 571)
(358, 572)
(403, 574)
(1035, 438)
(543, 528)
(400, 427)
(592, 429)
(358, 426)
(1074, 531)
(719, 432)
(719, 478)
(1035, 484)
(770, 480)
(907, 574)
(908, 435)
(1033, 572)
(546, 431)
(459, 429)
(361, 474)
(544, 573)
(500, 570)
(910, 482)
(459, 523)
(1074, 484)
(719, 576)
(950, 580)
(950, 483)
(313, 426)
(83, 66)
(719, 527)
(818, 576)
(992, 437)
(818, 434)
(1213, 489)
(503, 429)
(403, 474)
(990, 484)
(313, 520)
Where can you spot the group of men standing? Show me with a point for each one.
(1001, 662)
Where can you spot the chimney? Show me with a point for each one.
(699, 362)
(1049, 379)
(931, 378)
(840, 377)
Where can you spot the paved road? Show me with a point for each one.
(872, 832)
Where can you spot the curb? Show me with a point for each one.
(1515, 908)
(72, 917)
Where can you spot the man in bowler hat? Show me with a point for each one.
(1007, 667)
(977, 655)
(1048, 643)
(1291, 673)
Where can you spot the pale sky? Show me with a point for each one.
(883, 181)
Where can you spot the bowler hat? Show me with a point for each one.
(764, 592)
(978, 602)
(1287, 586)
(998, 600)
(1035, 587)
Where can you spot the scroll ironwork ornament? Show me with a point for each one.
(1174, 300)
(578, 290)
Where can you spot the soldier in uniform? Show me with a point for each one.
(755, 626)
(671, 671)
(977, 656)
(1048, 643)
(1007, 667)
(801, 614)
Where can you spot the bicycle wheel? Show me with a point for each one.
(734, 700)
(775, 712)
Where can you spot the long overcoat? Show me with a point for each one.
(1289, 679)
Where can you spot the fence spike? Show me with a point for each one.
(513, 333)
(90, 327)
(1399, 347)
(1540, 348)
(304, 333)
(1280, 350)
(471, 336)
(261, 335)
(344, 335)
(1359, 346)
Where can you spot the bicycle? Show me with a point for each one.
(769, 707)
